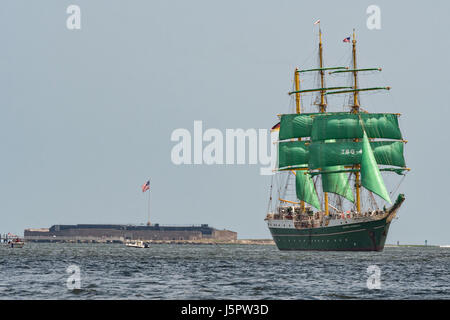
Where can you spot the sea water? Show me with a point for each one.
(166, 271)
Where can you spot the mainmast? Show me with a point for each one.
(298, 111)
(322, 104)
(355, 109)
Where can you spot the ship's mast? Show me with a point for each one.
(297, 93)
(323, 104)
(298, 110)
(355, 109)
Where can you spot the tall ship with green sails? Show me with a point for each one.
(332, 166)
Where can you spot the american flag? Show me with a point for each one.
(346, 39)
(146, 186)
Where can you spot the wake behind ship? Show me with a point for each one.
(335, 161)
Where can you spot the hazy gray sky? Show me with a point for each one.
(86, 115)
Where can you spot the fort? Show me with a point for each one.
(113, 233)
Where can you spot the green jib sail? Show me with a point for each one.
(305, 189)
(371, 178)
(348, 126)
(295, 126)
(292, 154)
(349, 153)
(337, 183)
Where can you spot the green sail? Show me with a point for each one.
(371, 178)
(337, 183)
(305, 189)
(295, 126)
(348, 126)
(292, 154)
(339, 125)
(323, 155)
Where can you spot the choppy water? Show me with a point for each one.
(113, 271)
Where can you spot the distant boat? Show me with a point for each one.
(14, 242)
(136, 244)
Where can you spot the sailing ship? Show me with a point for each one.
(335, 158)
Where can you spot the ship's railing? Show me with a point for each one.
(321, 216)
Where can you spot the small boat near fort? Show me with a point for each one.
(16, 244)
(136, 244)
(13, 241)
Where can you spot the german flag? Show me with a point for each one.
(275, 127)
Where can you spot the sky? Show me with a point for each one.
(86, 115)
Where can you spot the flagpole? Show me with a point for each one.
(148, 223)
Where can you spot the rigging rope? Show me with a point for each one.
(270, 199)
(398, 186)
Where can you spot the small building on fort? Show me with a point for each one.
(121, 233)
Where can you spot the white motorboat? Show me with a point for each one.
(136, 244)
(15, 243)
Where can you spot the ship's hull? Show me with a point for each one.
(359, 236)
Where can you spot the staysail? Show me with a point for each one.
(371, 178)
(337, 183)
(305, 189)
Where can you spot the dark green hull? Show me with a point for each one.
(365, 236)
